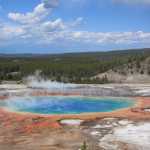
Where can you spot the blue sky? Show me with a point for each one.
(57, 26)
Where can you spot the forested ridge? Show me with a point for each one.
(69, 67)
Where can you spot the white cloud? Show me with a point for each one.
(133, 1)
(112, 37)
(38, 14)
(77, 22)
(97, 38)
(10, 32)
(50, 3)
(42, 31)
(50, 32)
(49, 26)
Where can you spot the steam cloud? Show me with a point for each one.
(40, 83)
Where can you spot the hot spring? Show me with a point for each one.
(64, 104)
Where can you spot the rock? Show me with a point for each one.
(71, 122)
(109, 119)
(124, 122)
(147, 109)
(94, 133)
(98, 126)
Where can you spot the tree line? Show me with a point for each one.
(75, 68)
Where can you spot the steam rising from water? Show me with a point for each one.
(40, 83)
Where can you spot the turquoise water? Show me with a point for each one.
(64, 104)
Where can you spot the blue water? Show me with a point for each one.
(65, 104)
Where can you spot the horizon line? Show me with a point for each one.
(75, 52)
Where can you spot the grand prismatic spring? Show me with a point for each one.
(46, 114)
(64, 104)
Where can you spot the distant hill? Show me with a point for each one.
(134, 72)
(77, 54)
(90, 67)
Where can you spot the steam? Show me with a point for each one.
(37, 82)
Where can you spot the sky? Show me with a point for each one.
(59, 26)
